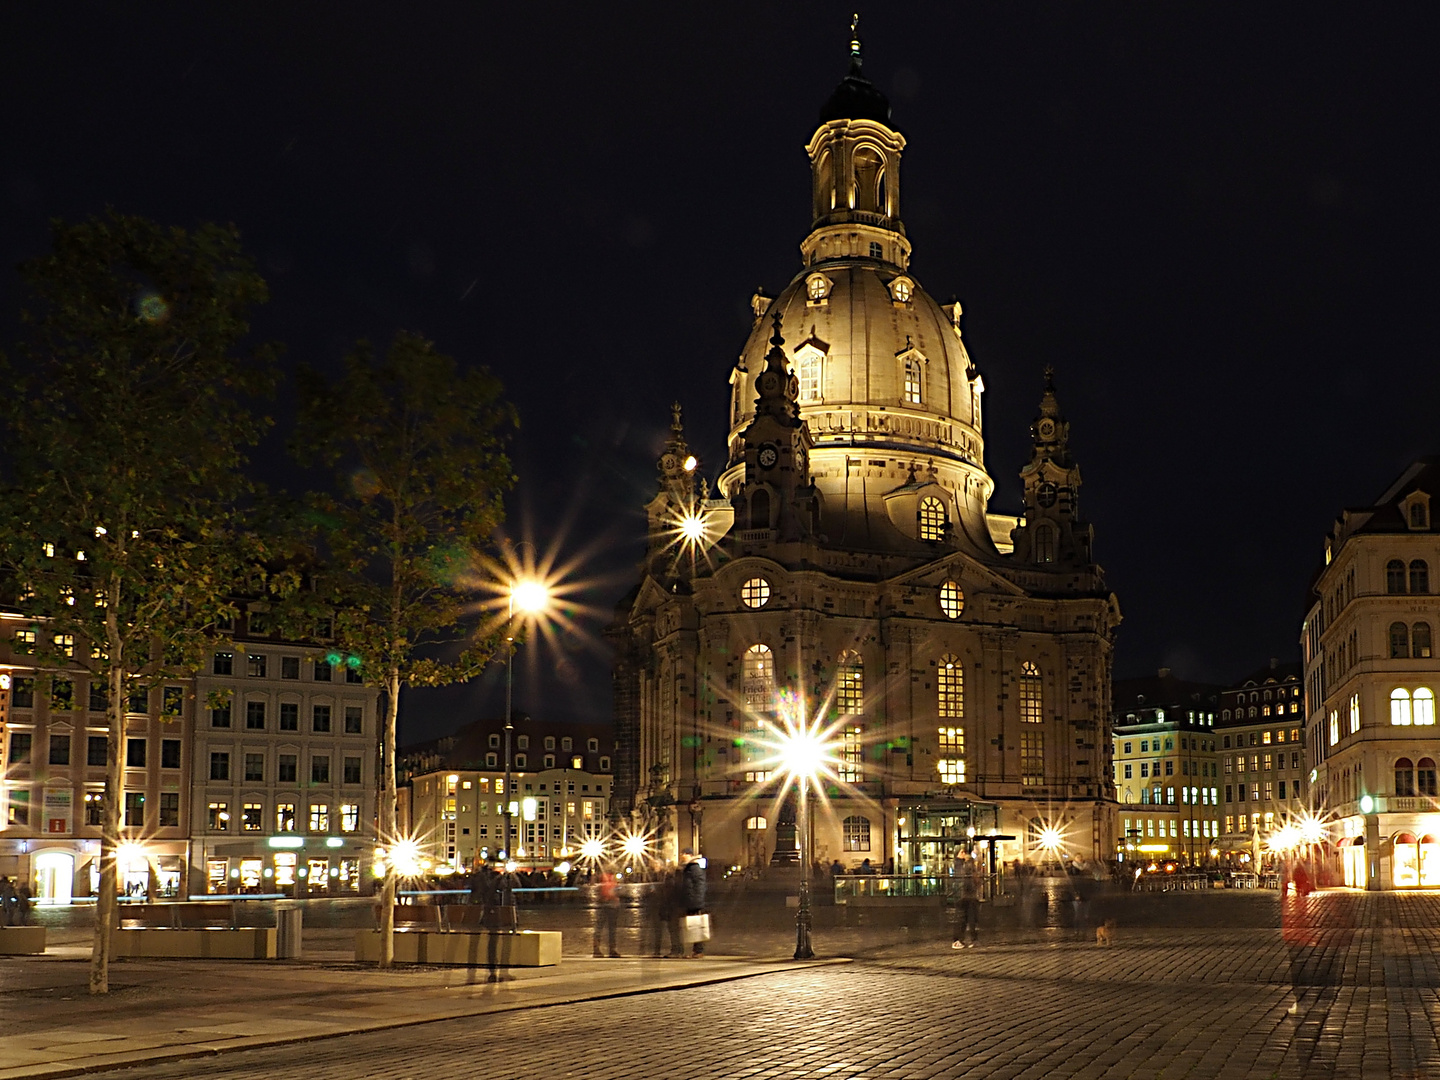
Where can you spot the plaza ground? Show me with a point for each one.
(1196, 985)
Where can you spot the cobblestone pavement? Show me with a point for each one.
(1347, 989)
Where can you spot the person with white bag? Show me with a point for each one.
(692, 894)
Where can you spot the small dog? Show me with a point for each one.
(1105, 933)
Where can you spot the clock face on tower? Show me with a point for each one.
(767, 456)
(1045, 496)
(1046, 428)
(768, 382)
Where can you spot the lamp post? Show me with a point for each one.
(802, 753)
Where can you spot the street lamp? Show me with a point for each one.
(802, 755)
(529, 597)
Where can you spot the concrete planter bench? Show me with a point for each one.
(244, 943)
(468, 948)
(22, 940)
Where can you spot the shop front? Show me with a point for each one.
(292, 866)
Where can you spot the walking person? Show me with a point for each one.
(7, 901)
(607, 910)
(967, 905)
(692, 885)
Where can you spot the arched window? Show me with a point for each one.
(1425, 777)
(866, 190)
(1404, 777)
(1400, 707)
(912, 391)
(932, 518)
(755, 824)
(1422, 707)
(952, 599)
(1399, 641)
(1044, 543)
(808, 372)
(824, 184)
(758, 678)
(950, 688)
(1419, 576)
(760, 510)
(1032, 696)
(1420, 641)
(857, 833)
(850, 685)
(1395, 576)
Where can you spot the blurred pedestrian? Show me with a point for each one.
(607, 909)
(692, 883)
(7, 901)
(966, 870)
(22, 905)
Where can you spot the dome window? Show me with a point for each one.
(952, 599)
(807, 370)
(876, 251)
(913, 392)
(932, 518)
(755, 593)
(901, 289)
(817, 289)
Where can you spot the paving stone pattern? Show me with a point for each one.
(1351, 994)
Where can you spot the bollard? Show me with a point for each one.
(287, 931)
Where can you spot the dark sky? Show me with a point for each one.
(1217, 221)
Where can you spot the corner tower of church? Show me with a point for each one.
(849, 559)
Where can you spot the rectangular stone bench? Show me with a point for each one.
(244, 943)
(469, 948)
(22, 940)
(199, 915)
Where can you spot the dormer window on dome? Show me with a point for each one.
(912, 389)
(932, 518)
(901, 290)
(817, 289)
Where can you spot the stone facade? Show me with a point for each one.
(849, 561)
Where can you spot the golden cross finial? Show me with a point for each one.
(855, 34)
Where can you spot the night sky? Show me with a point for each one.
(1217, 221)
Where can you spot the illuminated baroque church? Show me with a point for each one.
(849, 560)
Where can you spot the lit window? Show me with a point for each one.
(932, 518)
(1423, 707)
(807, 371)
(852, 754)
(285, 817)
(857, 833)
(951, 747)
(952, 599)
(901, 289)
(65, 644)
(24, 641)
(319, 817)
(349, 817)
(1032, 699)
(850, 685)
(1032, 758)
(950, 688)
(1354, 713)
(758, 678)
(912, 393)
(755, 593)
(218, 816)
(1400, 707)
(755, 824)
(252, 817)
(817, 287)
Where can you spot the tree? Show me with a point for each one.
(126, 433)
(418, 448)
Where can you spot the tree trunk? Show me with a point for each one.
(105, 905)
(388, 810)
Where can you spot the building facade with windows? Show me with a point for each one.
(284, 759)
(1167, 769)
(53, 740)
(561, 786)
(1262, 759)
(1371, 676)
(849, 564)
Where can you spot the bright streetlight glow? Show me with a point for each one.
(1051, 838)
(692, 527)
(529, 597)
(634, 845)
(592, 848)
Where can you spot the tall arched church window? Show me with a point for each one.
(1032, 695)
(1395, 576)
(758, 678)
(1399, 641)
(932, 518)
(952, 599)
(1422, 707)
(1400, 707)
(852, 754)
(1420, 641)
(807, 370)
(913, 390)
(1419, 576)
(850, 685)
(950, 688)
(1044, 543)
